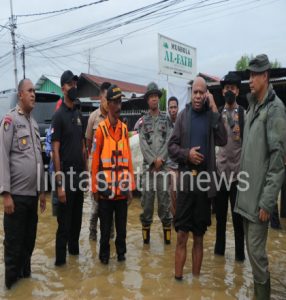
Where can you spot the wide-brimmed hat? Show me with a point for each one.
(230, 78)
(259, 64)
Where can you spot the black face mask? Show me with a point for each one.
(229, 97)
(72, 93)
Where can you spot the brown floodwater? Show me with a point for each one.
(148, 271)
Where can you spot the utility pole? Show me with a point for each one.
(23, 60)
(88, 61)
(12, 29)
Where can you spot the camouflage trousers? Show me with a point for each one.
(154, 183)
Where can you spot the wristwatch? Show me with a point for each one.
(59, 183)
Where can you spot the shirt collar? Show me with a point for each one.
(19, 110)
(67, 108)
(118, 125)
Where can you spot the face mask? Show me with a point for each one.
(229, 97)
(72, 93)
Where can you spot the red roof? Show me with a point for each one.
(125, 86)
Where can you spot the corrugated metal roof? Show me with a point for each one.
(125, 86)
(43, 78)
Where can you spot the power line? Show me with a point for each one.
(72, 37)
(61, 10)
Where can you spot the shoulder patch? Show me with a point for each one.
(7, 122)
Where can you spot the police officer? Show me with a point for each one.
(154, 132)
(21, 178)
(228, 158)
(69, 157)
(173, 108)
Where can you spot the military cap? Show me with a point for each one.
(152, 88)
(259, 64)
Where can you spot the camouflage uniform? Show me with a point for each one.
(154, 133)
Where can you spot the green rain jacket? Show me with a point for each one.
(262, 156)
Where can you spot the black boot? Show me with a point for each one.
(262, 291)
(167, 235)
(146, 234)
(93, 227)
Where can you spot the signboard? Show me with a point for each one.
(177, 59)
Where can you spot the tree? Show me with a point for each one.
(243, 63)
(163, 100)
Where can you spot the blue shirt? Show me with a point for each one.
(48, 148)
(199, 131)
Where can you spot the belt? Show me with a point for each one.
(194, 172)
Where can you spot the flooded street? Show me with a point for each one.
(148, 271)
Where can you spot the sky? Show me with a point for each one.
(220, 30)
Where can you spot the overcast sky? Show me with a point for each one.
(221, 32)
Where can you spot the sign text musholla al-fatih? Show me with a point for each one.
(177, 59)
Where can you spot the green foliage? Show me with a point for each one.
(243, 62)
(163, 100)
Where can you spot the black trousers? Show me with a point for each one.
(20, 230)
(221, 207)
(106, 209)
(283, 199)
(69, 217)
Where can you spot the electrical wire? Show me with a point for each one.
(61, 10)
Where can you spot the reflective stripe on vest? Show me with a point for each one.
(114, 161)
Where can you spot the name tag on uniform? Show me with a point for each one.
(19, 126)
(78, 121)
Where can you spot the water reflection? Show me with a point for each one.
(148, 271)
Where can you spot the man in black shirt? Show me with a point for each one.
(69, 157)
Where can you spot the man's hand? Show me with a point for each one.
(8, 202)
(158, 162)
(42, 202)
(96, 197)
(129, 199)
(61, 195)
(263, 215)
(212, 104)
(196, 157)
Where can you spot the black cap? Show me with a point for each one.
(259, 64)
(230, 78)
(67, 77)
(114, 92)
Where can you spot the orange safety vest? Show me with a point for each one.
(114, 180)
